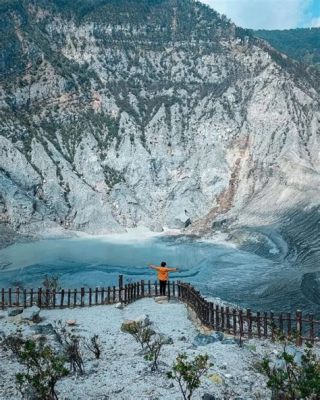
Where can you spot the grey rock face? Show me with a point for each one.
(141, 122)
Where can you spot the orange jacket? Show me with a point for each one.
(163, 273)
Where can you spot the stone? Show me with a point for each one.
(119, 306)
(31, 314)
(250, 347)
(229, 341)
(46, 330)
(71, 322)
(161, 299)
(204, 340)
(12, 312)
(216, 379)
(166, 339)
(143, 319)
(218, 335)
(208, 396)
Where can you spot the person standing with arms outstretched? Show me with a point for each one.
(163, 275)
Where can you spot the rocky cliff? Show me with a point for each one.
(119, 113)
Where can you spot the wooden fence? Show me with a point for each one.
(237, 322)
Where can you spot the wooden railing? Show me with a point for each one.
(234, 321)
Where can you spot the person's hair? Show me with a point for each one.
(163, 264)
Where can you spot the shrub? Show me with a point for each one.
(290, 379)
(43, 369)
(154, 348)
(71, 347)
(94, 345)
(148, 339)
(13, 342)
(188, 373)
(73, 354)
(141, 331)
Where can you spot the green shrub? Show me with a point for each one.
(188, 374)
(149, 340)
(141, 331)
(43, 369)
(290, 379)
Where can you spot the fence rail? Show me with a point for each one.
(237, 322)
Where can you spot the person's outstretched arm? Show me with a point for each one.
(173, 269)
(152, 266)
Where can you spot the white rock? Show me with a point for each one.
(31, 314)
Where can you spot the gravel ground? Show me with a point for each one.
(122, 373)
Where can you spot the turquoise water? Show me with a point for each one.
(242, 277)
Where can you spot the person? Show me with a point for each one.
(163, 275)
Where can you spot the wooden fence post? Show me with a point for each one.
(102, 295)
(240, 326)
(129, 293)
(69, 298)
(299, 328)
(169, 290)
(149, 288)
(82, 296)
(24, 298)
(281, 323)
(96, 295)
(53, 298)
(265, 324)
(234, 321)
(120, 288)
(249, 319)
(179, 289)
(90, 297)
(142, 288)
(289, 325)
(228, 319)
(17, 296)
(222, 318)
(47, 298)
(114, 291)
(217, 318)
(62, 298)
(258, 324)
(75, 298)
(39, 297)
(134, 291)
(2, 298)
(126, 293)
(138, 290)
(211, 314)
(311, 328)
(272, 324)
(31, 297)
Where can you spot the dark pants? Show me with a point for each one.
(163, 285)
